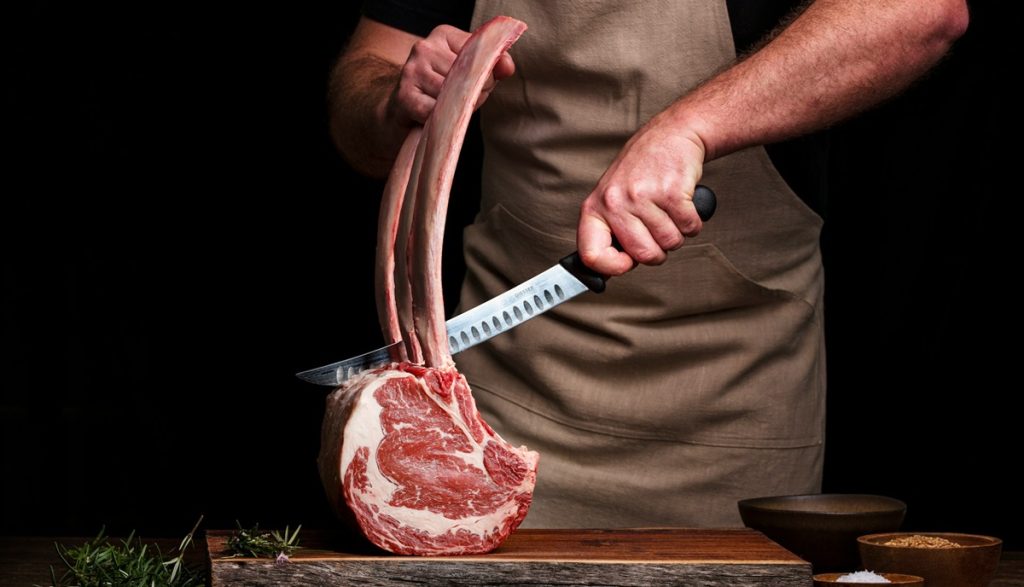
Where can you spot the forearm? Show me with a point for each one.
(836, 59)
(387, 82)
(357, 99)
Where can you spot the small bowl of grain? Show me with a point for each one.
(866, 578)
(944, 559)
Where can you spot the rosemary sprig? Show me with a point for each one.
(253, 542)
(99, 563)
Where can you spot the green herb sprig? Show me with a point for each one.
(253, 542)
(99, 563)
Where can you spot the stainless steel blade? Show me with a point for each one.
(531, 298)
(527, 300)
(338, 373)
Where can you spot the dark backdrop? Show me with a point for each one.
(179, 237)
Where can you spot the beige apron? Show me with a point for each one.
(684, 387)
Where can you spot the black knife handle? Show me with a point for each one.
(703, 199)
(705, 202)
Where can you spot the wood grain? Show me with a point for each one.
(737, 557)
(25, 560)
(1011, 570)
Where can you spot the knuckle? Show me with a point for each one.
(422, 47)
(648, 256)
(593, 210)
(691, 225)
(410, 71)
(612, 198)
(589, 257)
(415, 106)
(407, 98)
(422, 110)
(672, 241)
(637, 194)
(673, 199)
(420, 113)
(406, 84)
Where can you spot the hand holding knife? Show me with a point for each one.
(565, 280)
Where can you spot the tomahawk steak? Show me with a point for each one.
(404, 451)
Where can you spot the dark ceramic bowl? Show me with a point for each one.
(823, 528)
(972, 564)
(831, 580)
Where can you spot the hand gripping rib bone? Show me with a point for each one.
(403, 449)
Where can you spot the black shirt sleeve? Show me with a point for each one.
(419, 17)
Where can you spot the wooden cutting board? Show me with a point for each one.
(733, 557)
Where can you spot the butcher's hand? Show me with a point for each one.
(429, 61)
(644, 199)
(387, 81)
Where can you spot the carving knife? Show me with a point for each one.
(565, 280)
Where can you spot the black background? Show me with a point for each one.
(179, 237)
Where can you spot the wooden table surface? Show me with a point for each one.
(26, 561)
(729, 557)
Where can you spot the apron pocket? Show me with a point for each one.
(690, 351)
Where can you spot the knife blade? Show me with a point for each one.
(562, 282)
(531, 298)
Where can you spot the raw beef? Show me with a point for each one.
(403, 449)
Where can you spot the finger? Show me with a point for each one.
(440, 60)
(505, 67)
(417, 106)
(594, 243)
(438, 50)
(454, 38)
(429, 83)
(485, 92)
(636, 239)
(684, 215)
(661, 226)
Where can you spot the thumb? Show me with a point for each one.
(505, 67)
(594, 243)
